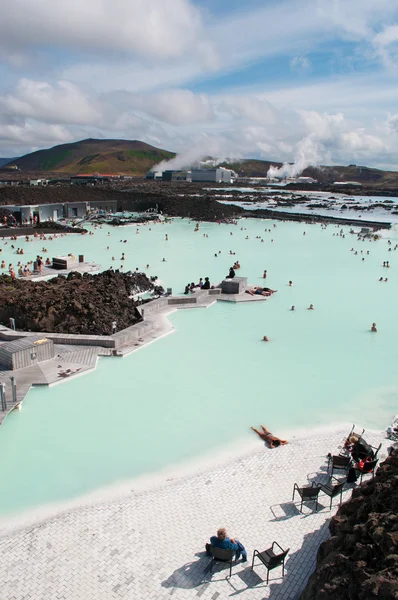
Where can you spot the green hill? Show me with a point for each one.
(137, 158)
(95, 156)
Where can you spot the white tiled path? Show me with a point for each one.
(149, 545)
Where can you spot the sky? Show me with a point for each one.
(309, 81)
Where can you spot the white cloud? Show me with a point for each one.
(59, 103)
(386, 46)
(176, 107)
(388, 36)
(25, 134)
(124, 69)
(300, 63)
(248, 107)
(154, 29)
(227, 125)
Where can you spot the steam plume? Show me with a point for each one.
(309, 152)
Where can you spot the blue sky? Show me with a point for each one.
(311, 81)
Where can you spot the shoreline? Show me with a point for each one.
(187, 471)
(264, 213)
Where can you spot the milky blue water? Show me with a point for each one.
(202, 387)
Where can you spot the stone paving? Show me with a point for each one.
(149, 544)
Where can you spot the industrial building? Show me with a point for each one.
(175, 176)
(156, 175)
(218, 175)
(38, 182)
(25, 352)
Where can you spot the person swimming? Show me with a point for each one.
(269, 438)
(311, 307)
(373, 328)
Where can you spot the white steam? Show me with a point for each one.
(198, 155)
(309, 153)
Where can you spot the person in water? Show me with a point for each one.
(293, 307)
(269, 438)
(311, 307)
(265, 339)
(259, 291)
(373, 328)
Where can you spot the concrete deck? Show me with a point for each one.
(68, 362)
(49, 272)
(77, 354)
(150, 544)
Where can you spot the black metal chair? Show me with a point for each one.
(376, 451)
(307, 493)
(339, 463)
(270, 559)
(368, 467)
(353, 432)
(221, 555)
(333, 490)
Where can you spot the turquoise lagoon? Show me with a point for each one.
(199, 390)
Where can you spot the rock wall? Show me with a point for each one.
(360, 560)
(172, 200)
(79, 304)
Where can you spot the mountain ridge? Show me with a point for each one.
(92, 155)
(134, 157)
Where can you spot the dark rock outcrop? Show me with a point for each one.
(79, 304)
(360, 560)
(185, 200)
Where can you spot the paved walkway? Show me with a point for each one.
(149, 545)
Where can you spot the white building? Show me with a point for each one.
(302, 179)
(39, 182)
(355, 183)
(218, 175)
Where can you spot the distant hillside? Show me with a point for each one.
(137, 158)
(324, 174)
(95, 156)
(4, 161)
(364, 175)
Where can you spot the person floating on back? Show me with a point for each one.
(269, 438)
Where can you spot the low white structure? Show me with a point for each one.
(218, 175)
(356, 183)
(39, 182)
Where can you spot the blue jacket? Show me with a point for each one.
(224, 544)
